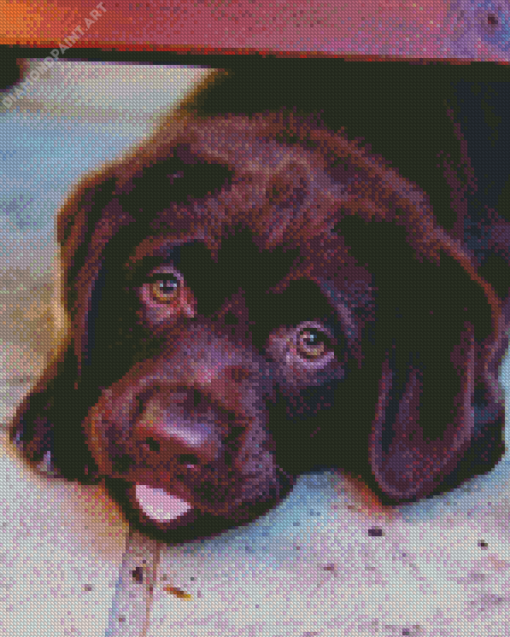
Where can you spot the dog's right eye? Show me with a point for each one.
(312, 343)
(164, 287)
(164, 296)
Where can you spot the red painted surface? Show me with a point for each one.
(387, 27)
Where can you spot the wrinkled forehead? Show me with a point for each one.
(239, 253)
(154, 250)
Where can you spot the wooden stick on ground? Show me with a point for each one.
(130, 612)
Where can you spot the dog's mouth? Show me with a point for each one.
(159, 505)
(176, 515)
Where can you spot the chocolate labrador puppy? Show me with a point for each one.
(252, 297)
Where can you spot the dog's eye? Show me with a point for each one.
(164, 287)
(312, 343)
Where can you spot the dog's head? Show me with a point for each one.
(250, 298)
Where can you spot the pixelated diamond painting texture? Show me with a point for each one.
(329, 558)
(403, 28)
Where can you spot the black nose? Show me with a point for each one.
(170, 427)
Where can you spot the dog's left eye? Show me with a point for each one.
(312, 343)
(164, 287)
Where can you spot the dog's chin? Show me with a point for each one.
(169, 517)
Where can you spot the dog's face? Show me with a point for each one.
(189, 424)
(251, 298)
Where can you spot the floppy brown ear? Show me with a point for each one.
(46, 427)
(430, 441)
(439, 413)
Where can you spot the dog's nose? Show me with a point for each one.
(169, 428)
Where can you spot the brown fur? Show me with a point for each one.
(319, 318)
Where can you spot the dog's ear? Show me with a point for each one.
(436, 424)
(47, 423)
(439, 414)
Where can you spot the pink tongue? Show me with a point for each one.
(158, 504)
